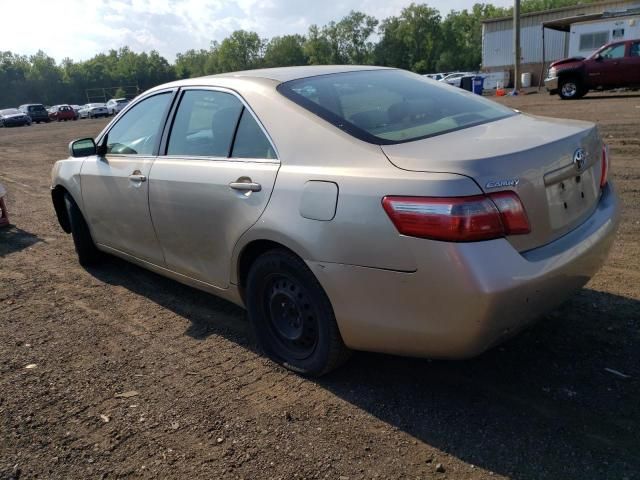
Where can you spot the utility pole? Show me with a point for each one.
(516, 46)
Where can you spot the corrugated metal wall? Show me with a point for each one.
(497, 36)
(497, 47)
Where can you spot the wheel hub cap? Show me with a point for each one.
(569, 89)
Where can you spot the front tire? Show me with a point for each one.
(87, 252)
(571, 89)
(292, 316)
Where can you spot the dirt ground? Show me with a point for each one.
(138, 376)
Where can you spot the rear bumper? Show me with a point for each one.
(464, 297)
(551, 84)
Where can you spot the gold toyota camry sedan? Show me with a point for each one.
(347, 208)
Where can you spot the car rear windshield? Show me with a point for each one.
(35, 108)
(391, 106)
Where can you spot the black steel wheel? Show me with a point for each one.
(292, 322)
(292, 316)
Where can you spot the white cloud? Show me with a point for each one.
(81, 28)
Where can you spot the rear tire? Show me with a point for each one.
(292, 316)
(87, 252)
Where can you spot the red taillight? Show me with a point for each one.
(514, 218)
(604, 173)
(458, 219)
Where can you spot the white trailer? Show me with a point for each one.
(586, 37)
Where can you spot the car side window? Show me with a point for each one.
(204, 124)
(137, 132)
(616, 51)
(251, 142)
(635, 49)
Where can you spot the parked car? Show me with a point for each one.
(410, 218)
(455, 78)
(62, 113)
(116, 104)
(94, 110)
(12, 117)
(76, 109)
(615, 65)
(36, 112)
(434, 76)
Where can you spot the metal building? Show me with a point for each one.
(497, 36)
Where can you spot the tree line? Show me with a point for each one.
(419, 39)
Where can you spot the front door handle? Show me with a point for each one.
(245, 184)
(137, 176)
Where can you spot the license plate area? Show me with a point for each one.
(570, 199)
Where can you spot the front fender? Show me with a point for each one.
(577, 70)
(65, 177)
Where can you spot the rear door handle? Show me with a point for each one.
(246, 186)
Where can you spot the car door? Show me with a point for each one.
(115, 187)
(631, 72)
(212, 184)
(606, 70)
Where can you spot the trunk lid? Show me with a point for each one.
(533, 156)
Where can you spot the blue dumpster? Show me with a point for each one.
(478, 85)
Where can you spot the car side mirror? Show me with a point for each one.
(82, 147)
(597, 57)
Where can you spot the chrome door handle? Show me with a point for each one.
(137, 177)
(246, 186)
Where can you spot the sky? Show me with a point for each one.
(79, 29)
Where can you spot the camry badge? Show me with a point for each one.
(506, 182)
(579, 159)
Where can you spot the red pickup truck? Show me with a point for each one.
(615, 65)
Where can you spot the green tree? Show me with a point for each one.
(44, 78)
(240, 51)
(284, 51)
(344, 42)
(317, 48)
(352, 38)
(412, 40)
(192, 63)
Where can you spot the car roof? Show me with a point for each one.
(285, 74)
(618, 42)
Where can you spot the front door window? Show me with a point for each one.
(138, 132)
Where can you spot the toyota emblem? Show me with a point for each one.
(579, 159)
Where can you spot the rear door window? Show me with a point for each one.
(250, 141)
(204, 124)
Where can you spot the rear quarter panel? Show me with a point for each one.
(311, 149)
